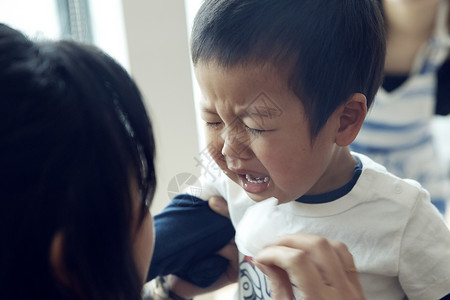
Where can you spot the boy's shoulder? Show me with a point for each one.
(384, 184)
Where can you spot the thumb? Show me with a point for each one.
(219, 205)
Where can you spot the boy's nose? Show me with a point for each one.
(236, 144)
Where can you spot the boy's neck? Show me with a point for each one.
(339, 172)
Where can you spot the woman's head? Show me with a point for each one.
(76, 169)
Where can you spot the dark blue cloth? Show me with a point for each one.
(187, 236)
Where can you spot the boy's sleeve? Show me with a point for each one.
(187, 236)
(425, 254)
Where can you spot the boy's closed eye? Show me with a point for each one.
(255, 131)
(213, 125)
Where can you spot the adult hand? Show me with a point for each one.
(230, 252)
(317, 267)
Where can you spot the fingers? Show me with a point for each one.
(297, 267)
(182, 288)
(321, 252)
(219, 205)
(314, 265)
(349, 265)
(280, 283)
(230, 251)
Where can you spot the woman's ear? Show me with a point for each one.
(351, 117)
(57, 259)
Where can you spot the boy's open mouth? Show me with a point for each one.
(253, 184)
(257, 180)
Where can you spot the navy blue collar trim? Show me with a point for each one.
(336, 194)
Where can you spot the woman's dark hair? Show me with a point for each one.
(74, 133)
(330, 48)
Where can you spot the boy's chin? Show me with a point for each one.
(259, 197)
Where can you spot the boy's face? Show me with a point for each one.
(258, 133)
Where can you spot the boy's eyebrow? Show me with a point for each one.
(263, 110)
(242, 114)
(207, 110)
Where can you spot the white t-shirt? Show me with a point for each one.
(399, 241)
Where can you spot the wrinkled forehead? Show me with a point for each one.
(242, 76)
(242, 91)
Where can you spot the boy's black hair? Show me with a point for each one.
(74, 133)
(330, 48)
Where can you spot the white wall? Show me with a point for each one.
(157, 38)
(159, 61)
(108, 29)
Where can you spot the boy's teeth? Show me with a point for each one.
(257, 180)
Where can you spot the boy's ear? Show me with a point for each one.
(352, 115)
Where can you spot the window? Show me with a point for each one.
(37, 19)
(99, 22)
